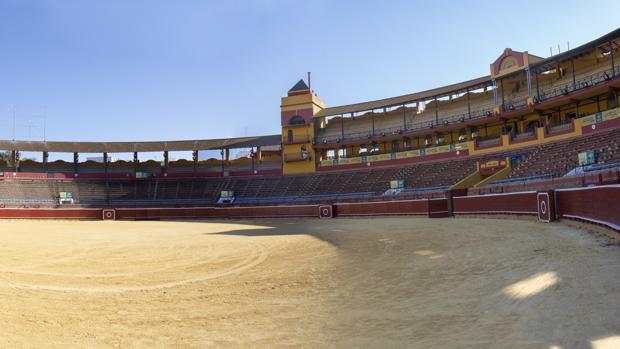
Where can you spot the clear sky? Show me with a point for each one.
(164, 70)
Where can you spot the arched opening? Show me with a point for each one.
(296, 120)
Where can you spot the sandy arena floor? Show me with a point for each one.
(345, 283)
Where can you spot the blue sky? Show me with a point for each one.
(163, 70)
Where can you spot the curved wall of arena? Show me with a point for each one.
(597, 205)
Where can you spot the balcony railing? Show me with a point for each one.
(562, 126)
(409, 127)
(510, 105)
(483, 142)
(580, 84)
(522, 136)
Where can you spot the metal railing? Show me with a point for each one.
(510, 105)
(562, 125)
(408, 127)
(580, 84)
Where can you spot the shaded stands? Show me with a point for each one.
(595, 175)
(423, 180)
(207, 190)
(34, 192)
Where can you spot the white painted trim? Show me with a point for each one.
(376, 202)
(49, 209)
(592, 220)
(495, 194)
(496, 212)
(58, 218)
(207, 217)
(206, 207)
(383, 214)
(591, 188)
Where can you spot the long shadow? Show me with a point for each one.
(367, 258)
(320, 229)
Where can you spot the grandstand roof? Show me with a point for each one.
(130, 147)
(454, 88)
(404, 99)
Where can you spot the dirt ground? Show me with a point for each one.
(290, 283)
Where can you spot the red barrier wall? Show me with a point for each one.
(51, 213)
(599, 205)
(507, 203)
(438, 208)
(397, 207)
(219, 212)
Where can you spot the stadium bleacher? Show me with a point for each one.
(534, 167)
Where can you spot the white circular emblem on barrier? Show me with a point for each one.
(543, 207)
(325, 212)
(109, 214)
(594, 127)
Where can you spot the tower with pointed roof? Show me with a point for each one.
(298, 109)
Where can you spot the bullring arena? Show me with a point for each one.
(279, 283)
(482, 214)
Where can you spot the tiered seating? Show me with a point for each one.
(558, 158)
(369, 180)
(34, 191)
(554, 159)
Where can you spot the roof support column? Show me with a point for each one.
(342, 127)
(611, 58)
(45, 159)
(468, 104)
(576, 109)
(136, 163)
(15, 160)
(372, 119)
(384, 112)
(404, 118)
(436, 112)
(528, 76)
(537, 84)
(166, 163)
(572, 64)
(252, 155)
(501, 82)
(195, 160)
(222, 155)
(76, 160)
(494, 92)
(105, 163)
